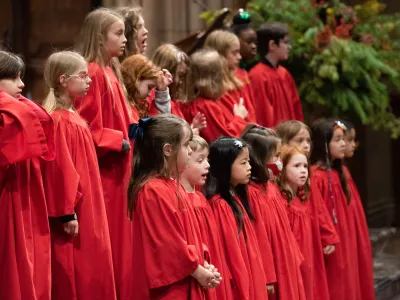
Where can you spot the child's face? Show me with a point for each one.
(77, 85)
(296, 171)
(144, 88)
(13, 87)
(198, 167)
(350, 139)
(241, 169)
(180, 75)
(302, 140)
(276, 155)
(248, 44)
(337, 144)
(185, 151)
(282, 50)
(142, 35)
(116, 40)
(233, 56)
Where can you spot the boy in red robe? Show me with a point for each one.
(275, 94)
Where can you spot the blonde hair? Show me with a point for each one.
(58, 64)
(131, 16)
(169, 57)
(135, 69)
(222, 41)
(198, 143)
(289, 129)
(206, 75)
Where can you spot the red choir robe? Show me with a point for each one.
(245, 92)
(285, 250)
(255, 199)
(364, 248)
(167, 243)
(220, 121)
(26, 139)
(210, 237)
(107, 112)
(341, 266)
(81, 266)
(241, 252)
(275, 95)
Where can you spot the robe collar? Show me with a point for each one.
(265, 61)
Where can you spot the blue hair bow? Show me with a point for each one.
(137, 129)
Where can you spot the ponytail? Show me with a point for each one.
(50, 103)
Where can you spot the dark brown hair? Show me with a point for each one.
(267, 32)
(11, 65)
(289, 129)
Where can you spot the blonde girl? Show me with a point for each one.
(81, 260)
(235, 80)
(101, 42)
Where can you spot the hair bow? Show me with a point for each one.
(137, 129)
(238, 144)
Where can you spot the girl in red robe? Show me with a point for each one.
(81, 249)
(26, 140)
(204, 97)
(329, 176)
(226, 191)
(195, 176)
(168, 253)
(170, 57)
(106, 111)
(235, 81)
(294, 185)
(264, 154)
(364, 253)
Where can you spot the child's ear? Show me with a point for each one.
(271, 45)
(167, 150)
(63, 80)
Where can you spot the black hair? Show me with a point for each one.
(263, 142)
(240, 22)
(223, 153)
(11, 65)
(322, 133)
(270, 32)
(348, 124)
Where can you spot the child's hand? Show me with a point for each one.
(217, 276)
(126, 146)
(329, 249)
(164, 80)
(199, 122)
(270, 289)
(240, 110)
(71, 227)
(204, 277)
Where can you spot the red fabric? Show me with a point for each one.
(241, 251)
(220, 121)
(210, 237)
(286, 252)
(81, 266)
(176, 108)
(341, 266)
(167, 243)
(364, 248)
(246, 92)
(107, 112)
(275, 95)
(24, 229)
(257, 208)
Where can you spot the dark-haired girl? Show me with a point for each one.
(26, 138)
(226, 190)
(329, 177)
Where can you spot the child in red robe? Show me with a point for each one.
(236, 83)
(26, 140)
(330, 179)
(106, 111)
(204, 97)
(275, 93)
(294, 185)
(81, 249)
(226, 191)
(364, 253)
(168, 253)
(195, 175)
(264, 157)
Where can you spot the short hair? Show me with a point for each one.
(267, 32)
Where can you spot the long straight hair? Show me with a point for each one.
(223, 153)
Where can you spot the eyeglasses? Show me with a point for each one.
(82, 76)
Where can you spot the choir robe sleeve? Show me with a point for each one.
(296, 102)
(21, 133)
(246, 91)
(61, 180)
(327, 230)
(228, 231)
(91, 108)
(168, 258)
